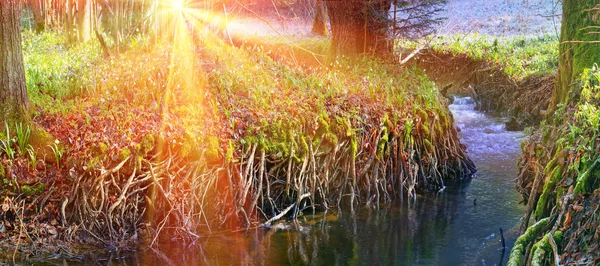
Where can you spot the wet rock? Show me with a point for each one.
(513, 125)
(490, 237)
(488, 131)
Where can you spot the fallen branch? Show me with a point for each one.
(411, 55)
(284, 212)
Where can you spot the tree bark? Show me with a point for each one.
(84, 20)
(379, 26)
(359, 27)
(13, 89)
(576, 53)
(37, 8)
(347, 28)
(319, 24)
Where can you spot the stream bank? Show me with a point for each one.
(457, 226)
(524, 101)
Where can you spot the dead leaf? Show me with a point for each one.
(577, 208)
(568, 219)
(6, 204)
(52, 230)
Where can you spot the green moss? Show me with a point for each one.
(100, 149)
(585, 178)
(41, 140)
(539, 251)
(230, 151)
(331, 138)
(382, 143)
(543, 206)
(550, 165)
(428, 145)
(532, 232)
(124, 154)
(542, 248)
(213, 151)
(95, 161)
(575, 56)
(425, 129)
(33, 190)
(147, 144)
(354, 146)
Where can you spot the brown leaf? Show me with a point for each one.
(52, 230)
(568, 219)
(6, 204)
(577, 208)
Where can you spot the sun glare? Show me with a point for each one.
(178, 5)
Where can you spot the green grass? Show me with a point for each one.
(519, 56)
(56, 70)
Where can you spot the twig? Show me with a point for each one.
(584, 42)
(554, 249)
(411, 55)
(284, 212)
(21, 228)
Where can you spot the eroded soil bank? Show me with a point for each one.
(524, 101)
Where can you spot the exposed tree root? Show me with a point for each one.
(190, 198)
(533, 232)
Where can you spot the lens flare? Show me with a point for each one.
(178, 5)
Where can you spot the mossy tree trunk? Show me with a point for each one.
(319, 23)
(577, 48)
(13, 89)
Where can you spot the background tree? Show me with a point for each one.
(84, 20)
(37, 8)
(579, 47)
(414, 19)
(319, 23)
(370, 26)
(13, 89)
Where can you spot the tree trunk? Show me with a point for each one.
(84, 20)
(13, 89)
(359, 27)
(379, 26)
(69, 14)
(347, 28)
(37, 8)
(576, 53)
(319, 24)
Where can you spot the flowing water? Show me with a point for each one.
(459, 226)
